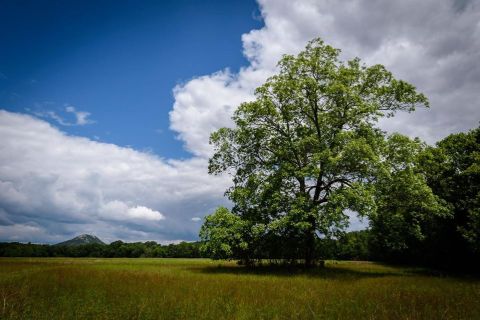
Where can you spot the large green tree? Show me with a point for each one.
(308, 148)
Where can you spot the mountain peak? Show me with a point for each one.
(81, 239)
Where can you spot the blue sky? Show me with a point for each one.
(106, 107)
(118, 60)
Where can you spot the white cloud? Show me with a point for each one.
(196, 219)
(70, 185)
(141, 212)
(433, 44)
(81, 117)
(203, 105)
(51, 181)
(118, 210)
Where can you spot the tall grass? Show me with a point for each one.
(51, 288)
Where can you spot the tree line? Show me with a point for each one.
(117, 249)
(351, 246)
(404, 231)
(308, 150)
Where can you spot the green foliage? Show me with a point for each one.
(115, 249)
(452, 169)
(406, 205)
(428, 203)
(222, 235)
(354, 246)
(307, 149)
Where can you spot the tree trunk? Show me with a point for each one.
(310, 249)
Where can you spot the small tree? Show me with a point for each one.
(308, 147)
(224, 232)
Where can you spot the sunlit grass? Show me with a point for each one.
(203, 289)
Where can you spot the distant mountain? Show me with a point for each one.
(81, 239)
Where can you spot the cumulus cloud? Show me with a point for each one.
(433, 44)
(52, 181)
(203, 105)
(53, 184)
(118, 210)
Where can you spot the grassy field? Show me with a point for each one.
(62, 288)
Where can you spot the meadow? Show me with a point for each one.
(83, 288)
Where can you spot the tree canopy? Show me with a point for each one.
(439, 225)
(308, 149)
